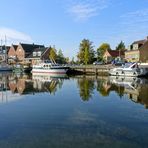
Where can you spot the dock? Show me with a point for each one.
(90, 69)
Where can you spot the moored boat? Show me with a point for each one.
(48, 67)
(131, 70)
(5, 67)
(18, 68)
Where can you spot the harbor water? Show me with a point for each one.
(51, 111)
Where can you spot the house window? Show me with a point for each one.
(34, 54)
(135, 46)
(19, 49)
(39, 53)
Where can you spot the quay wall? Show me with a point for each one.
(91, 69)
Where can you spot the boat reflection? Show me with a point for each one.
(48, 83)
(135, 88)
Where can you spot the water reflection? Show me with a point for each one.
(86, 87)
(12, 86)
(135, 88)
(42, 119)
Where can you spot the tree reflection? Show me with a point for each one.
(104, 87)
(53, 86)
(86, 88)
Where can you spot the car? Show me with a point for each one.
(119, 63)
(97, 63)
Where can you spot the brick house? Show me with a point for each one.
(12, 54)
(110, 55)
(137, 51)
(24, 50)
(38, 55)
(144, 52)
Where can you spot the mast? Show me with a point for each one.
(5, 49)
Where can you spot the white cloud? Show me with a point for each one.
(132, 26)
(83, 10)
(135, 19)
(14, 36)
(138, 13)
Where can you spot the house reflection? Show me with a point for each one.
(139, 93)
(6, 94)
(12, 86)
(105, 87)
(135, 88)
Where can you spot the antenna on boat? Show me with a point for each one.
(1, 45)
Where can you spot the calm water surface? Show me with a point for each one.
(69, 112)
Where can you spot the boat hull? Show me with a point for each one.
(5, 69)
(49, 71)
(129, 73)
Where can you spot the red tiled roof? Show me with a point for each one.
(115, 53)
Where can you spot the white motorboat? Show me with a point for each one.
(48, 67)
(131, 70)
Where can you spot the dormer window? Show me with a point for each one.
(39, 53)
(34, 54)
(135, 46)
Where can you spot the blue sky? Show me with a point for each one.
(64, 23)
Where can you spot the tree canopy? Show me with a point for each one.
(101, 50)
(60, 57)
(86, 52)
(120, 46)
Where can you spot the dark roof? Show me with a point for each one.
(43, 49)
(145, 44)
(15, 46)
(139, 42)
(30, 47)
(115, 53)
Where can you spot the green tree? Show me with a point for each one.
(60, 57)
(86, 52)
(52, 54)
(120, 46)
(101, 50)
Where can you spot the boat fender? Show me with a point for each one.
(122, 72)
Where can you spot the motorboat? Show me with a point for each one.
(131, 70)
(48, 67)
